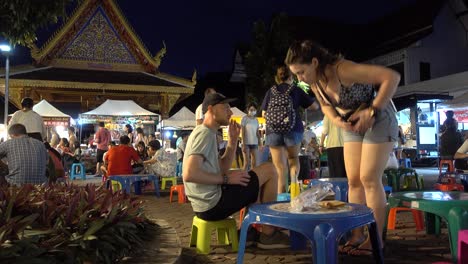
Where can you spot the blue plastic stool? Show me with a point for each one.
(323, 230)
(405, 163)
(340, 187)
(283, 197)
(81, 171)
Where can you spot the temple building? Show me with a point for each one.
(96, 55)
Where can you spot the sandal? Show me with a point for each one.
(357, 251)
(348, 247)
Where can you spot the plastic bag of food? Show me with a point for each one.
(309, 199)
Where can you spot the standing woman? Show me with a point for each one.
(128, 130)
(250, 137)
(345, 91)
(285, 146)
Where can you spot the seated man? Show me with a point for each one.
(461, 157)
(27, 157)
(217, 192)
(119, 158)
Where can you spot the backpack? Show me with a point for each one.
(280, 115)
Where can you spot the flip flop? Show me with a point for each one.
(357, 251)
(348, 247)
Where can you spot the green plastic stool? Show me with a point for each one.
(201, 234)
(173, 180)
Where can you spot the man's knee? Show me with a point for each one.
(265, 171)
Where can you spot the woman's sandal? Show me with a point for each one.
(346, 248)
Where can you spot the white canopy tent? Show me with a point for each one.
(183, 119)
(237, 113)
(51, 115)
(460, 102)
(119, 108)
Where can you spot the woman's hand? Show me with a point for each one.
(362, 120)
(338, 121)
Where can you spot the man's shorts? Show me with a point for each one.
(385, 129)
(100, 155)
(233, 199)
(290, 139)
(251, 147)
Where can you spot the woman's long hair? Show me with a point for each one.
(302, 52)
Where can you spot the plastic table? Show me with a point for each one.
(129, 179)
(323, 228)
(452, 206)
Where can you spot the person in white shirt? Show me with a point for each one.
(250, 137)
(461, 156)
(31, 120)
(198, 112)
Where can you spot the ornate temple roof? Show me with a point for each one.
(96, 55)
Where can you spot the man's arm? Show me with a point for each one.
(226, 160)
(193, 172)
(462, 151)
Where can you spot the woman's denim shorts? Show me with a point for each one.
(385, 129)
(290, 139)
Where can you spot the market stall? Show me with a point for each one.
(117, 113)
(54, 118)
(171, 127)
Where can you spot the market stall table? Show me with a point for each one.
(451, 206)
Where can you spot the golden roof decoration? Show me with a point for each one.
(74, 25)
(194, 77)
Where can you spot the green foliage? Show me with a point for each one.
(21, 19)
(69, 224)
(268, 49)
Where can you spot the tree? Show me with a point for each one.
(20, 19)
(268, 50)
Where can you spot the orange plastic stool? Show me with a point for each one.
(417, 216)
(180, 193)
(242, 214)
(449, 163)
(447, 187)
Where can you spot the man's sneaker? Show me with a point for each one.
(277, 240)
(252, 236)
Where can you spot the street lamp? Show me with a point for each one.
(6, 49)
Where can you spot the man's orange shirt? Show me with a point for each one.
(119, 160)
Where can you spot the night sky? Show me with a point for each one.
(202, 35)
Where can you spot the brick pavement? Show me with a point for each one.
(403, 245)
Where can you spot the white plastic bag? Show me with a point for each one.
(392, 162)
(309, 199)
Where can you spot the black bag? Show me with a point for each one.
(280, 115)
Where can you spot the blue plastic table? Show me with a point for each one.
(127, 180)
(452, 206)
(323, 228)
(340, 187)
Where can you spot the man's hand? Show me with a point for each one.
(234, 131)
(240, 177)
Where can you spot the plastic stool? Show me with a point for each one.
(168, 179)
(201, 234)
(449, 163)
(180, 193)
(116, 186)
(447, 187)
(81, 171)
(405, 163)
(462, 246)
(283, 197)
(417, 216)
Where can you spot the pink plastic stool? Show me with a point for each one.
(462, 246)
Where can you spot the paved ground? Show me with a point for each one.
(403, 245)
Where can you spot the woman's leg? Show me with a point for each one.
(293, 161)
(253, 157)
(246, 154)
(373, 161)
(278, 157)
(352, 157)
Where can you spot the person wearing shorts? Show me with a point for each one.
(285, 147)
(102, 138)
(357, 98)
(215, 191)
(250, 137)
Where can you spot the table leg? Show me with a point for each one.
(156, 184)
(137, 186)
(297, 240)
(243, 239)
(430, 220)
(375, 241)
(326, 249)
(457, 220)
